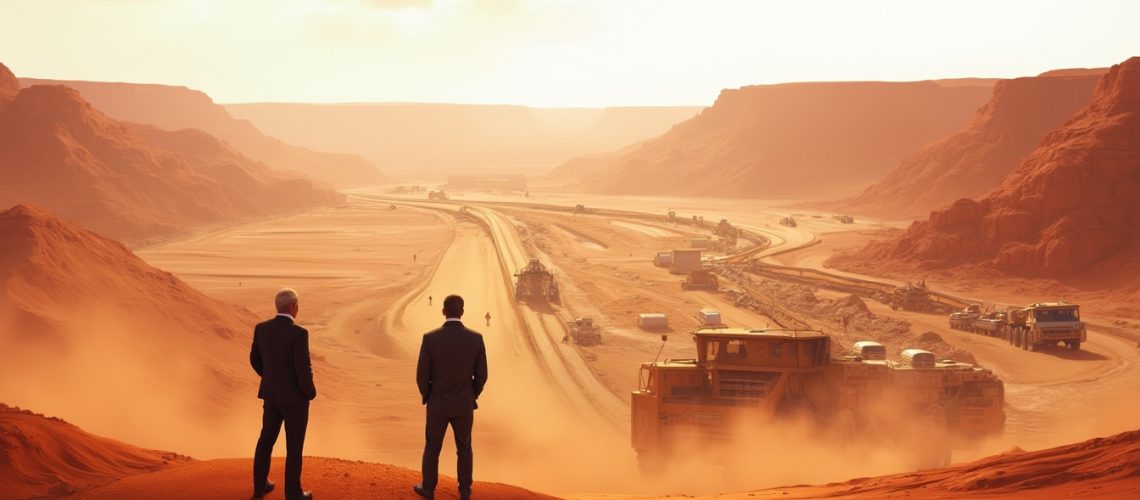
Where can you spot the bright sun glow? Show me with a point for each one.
(549, 52)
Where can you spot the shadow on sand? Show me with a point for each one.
(1066, 353)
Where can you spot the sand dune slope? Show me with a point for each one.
(1105, 468)
(93, 334)
(44, 456)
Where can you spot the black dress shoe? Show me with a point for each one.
(268, 488)
(305, 495)
(421, 491)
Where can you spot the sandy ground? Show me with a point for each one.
(555, 417)
(325, 477)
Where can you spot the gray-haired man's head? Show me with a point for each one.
(286, 302)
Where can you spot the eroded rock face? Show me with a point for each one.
(790, 140)
(977, 157)
(128, 181)
(1071, 207)
(9, 86)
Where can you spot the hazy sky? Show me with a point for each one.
(549, 52)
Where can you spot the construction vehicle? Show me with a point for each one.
(787, 221)
(709, 317)
(701, 279)
(964, 319)
(437, 195)
(671, 217)
(990, 324)
(844, 219)
(580, 209)
(584, 332)
(744, 378)
(686, 261)
(911, 297)
(536, 282)
(1045, 323)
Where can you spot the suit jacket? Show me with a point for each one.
(280, 354)
(452, 370)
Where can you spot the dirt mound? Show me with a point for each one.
(1069, 209)
(176, 108)
(44, 456)
(326, 477)
(978, 156)
(791, 140)
(1098, 468)
(94, 334)
(131, 182)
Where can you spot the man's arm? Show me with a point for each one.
(480, 369)
(304, 365)
(423, 371)
(255, 354)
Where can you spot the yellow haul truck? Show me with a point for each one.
(748, 376)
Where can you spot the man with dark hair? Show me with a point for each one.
(451, 373)
(280, 355)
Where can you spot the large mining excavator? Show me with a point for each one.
(536, 282)
(744, 378)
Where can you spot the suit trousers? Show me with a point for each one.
(296, 419)
(434, 432)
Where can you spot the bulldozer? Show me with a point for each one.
(437, 195)
(911, 297)
(536, 282)
(964, 319)
(584, 332)
(749, 378)
(701, 279)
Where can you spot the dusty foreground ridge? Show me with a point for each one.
(46, 456)
(1104, 468)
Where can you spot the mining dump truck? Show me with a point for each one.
(787, 221)
(964, 319)
(584, 332)
(844, 219)
(536, 282)
(911, 297)
(990, 324)
(749, 378)
(437, 195)
(701, 279)
(1047, 323)
(580, 209)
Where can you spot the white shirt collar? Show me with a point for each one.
(287, 315)
(452, 319)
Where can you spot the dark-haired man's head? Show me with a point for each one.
(453, 306)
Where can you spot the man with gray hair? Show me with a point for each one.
(280, 355)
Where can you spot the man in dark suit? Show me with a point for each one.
(280, 355)
(451, 373)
